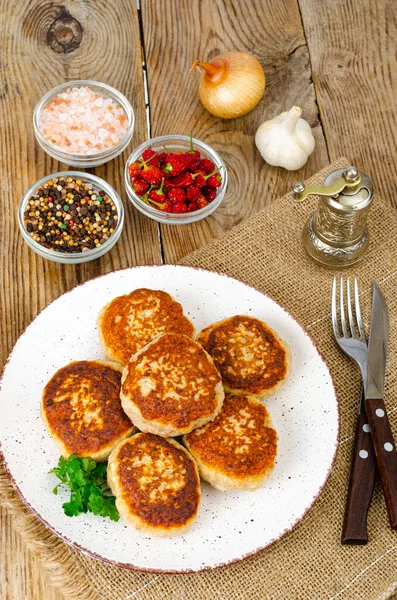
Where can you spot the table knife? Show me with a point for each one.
(382, 437)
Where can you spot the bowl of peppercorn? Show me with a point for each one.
(71, 217)
(175, 179)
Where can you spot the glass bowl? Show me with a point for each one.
(176, 143)
(86, 160)
(79, 257)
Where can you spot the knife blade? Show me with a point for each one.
(385, 449)
(377, 345)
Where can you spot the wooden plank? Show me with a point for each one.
(176, 34)
(352, 47)
(30, 66)
(354, 71)
(21, 576)
(109, 51)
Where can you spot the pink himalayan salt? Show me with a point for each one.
(80, 121)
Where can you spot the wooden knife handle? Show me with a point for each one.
(385, 452)
(361, 485)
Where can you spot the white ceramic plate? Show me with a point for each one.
(230, 526)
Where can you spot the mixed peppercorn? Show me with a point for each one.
(175, 182)
(67, 215)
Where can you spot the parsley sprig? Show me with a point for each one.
(89, 490)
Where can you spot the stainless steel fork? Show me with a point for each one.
(353, 342)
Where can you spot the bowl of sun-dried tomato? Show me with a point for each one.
(175, 179)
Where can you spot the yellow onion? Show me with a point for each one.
(231, 85)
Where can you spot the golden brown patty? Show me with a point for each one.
(171, 386)
(130, 322)
(238, 449)
(156, 484)
(250, 356)
(82, 409)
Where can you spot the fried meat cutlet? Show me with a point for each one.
(156, 484)
(171, 386)
(251, 357)
(82, 410)
(237, 450)
(130, 322)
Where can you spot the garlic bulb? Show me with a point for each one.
(285, 141)
(231, 84)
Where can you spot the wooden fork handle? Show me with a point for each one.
(385, 452)
(361, 485)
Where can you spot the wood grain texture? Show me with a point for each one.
(385, 452)
(178, 33)
(110, 52)
(352, 49)
(21, 575)
(361, 485)
(107, 49)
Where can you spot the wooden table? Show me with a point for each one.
(335, 59)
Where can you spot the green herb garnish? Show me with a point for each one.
(89, 489)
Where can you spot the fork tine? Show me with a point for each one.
(334, 310)
(358, 311)
(342, 308)
(349, 309)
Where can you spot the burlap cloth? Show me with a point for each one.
(310, 563)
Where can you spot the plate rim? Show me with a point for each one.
(129, 565)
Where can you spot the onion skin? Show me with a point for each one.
(231, 84)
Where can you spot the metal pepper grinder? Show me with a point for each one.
(336, 235)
